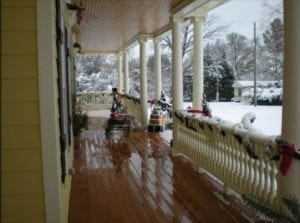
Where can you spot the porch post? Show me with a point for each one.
(143, 81)
(198, 62)
(290, 183)
(120, 72)
(126, 72)
(157, 68)
(177, 84)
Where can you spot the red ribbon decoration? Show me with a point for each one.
(287, 150)
(79, 17)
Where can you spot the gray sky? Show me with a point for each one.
(240, 15)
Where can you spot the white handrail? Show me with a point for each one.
(94, 100)
(133, 106)
(237, 157)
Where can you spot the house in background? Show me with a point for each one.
(266, 90)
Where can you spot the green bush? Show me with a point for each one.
(79, 122)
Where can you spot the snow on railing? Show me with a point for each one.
(243, 160)
(96, 100)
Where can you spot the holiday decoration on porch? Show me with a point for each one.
(117, 106)
(79, 8)
(119, 119)
(274, 216)
(249, 148)
(77, 45)
(271, 150)
(158, 119)
(206, 111)
(288, 152)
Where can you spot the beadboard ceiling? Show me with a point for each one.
(108, 25)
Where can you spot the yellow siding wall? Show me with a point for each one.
(22, 193)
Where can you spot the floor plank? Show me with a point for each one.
(135, 179)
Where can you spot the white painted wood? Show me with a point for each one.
(143, 81)
(198, 75)
(94, 100)
(49, 109)
(290, 183)
(157, 68)
(227, 159)
(177, 84)
(120, 72)
(126, 72)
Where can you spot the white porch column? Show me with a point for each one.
(177, 78)
(126, 72)
(143, 81)
(198, 75)
(290, 184)
(157, 68)
(120, 73)
(177, 83)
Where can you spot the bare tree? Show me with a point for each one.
(272, 9)
(212, 29)
(239, 53)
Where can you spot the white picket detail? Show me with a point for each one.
(94, 100)
(221, 150)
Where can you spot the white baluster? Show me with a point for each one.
(273, 187)
(259, 174)
(243, 176)
(267, 184)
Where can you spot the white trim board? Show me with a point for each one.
(48, 110)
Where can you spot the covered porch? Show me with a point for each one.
(243, 162)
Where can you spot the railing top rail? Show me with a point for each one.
(220, 124)
(93, 93)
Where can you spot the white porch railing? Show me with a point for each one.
(242, 160)
(94, 100)
(245, 161)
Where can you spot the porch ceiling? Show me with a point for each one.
(108, 25)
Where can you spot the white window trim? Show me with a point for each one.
(48, 109)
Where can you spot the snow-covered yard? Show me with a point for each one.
(268, 118)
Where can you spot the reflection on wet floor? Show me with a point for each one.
(133, 178)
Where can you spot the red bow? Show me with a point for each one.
(287, 150)
(79, 17)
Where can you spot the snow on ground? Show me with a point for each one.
(268, 118)
(99, 113)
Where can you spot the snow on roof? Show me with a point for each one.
(240, 84)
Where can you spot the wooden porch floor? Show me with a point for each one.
(135, 179)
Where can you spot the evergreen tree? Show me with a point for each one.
(212, 70)
(218, 73)
(226, 80)
(210, 79)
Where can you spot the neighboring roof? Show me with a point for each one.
(241, 84)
